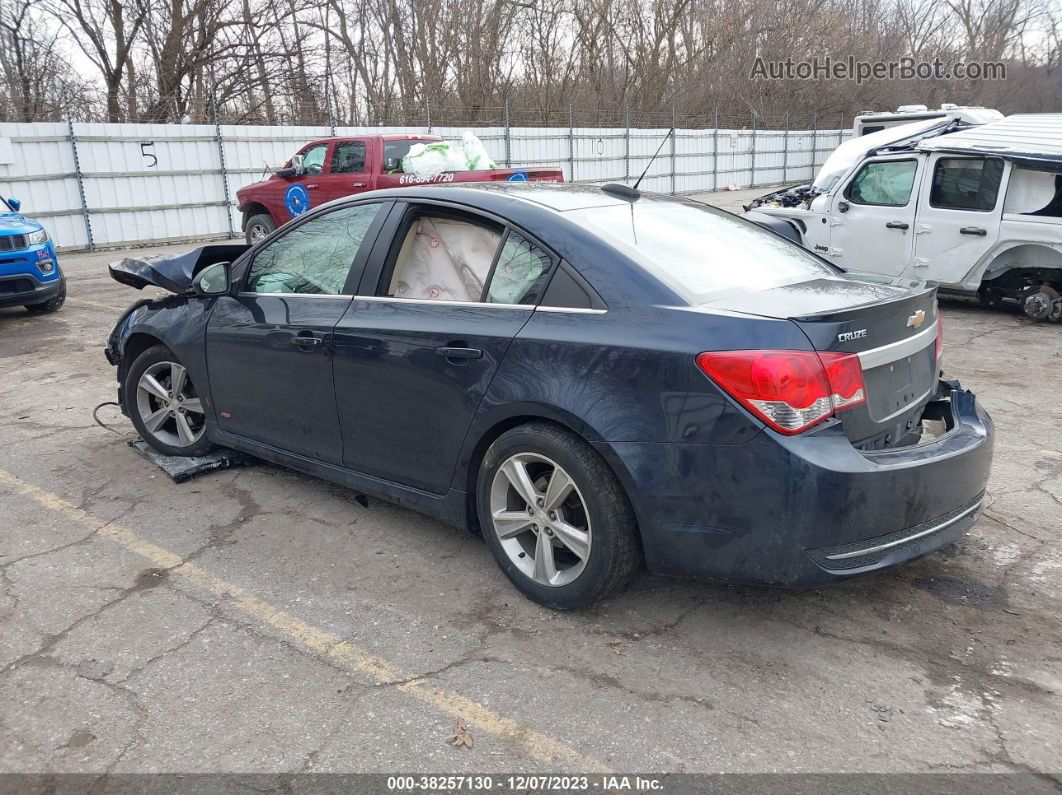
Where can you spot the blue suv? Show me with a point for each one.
(29, 269)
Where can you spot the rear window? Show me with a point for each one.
(700, 252)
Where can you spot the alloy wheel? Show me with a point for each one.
(169, 406)
(540, 518)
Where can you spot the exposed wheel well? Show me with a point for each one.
(252, 209)
(1022, 265)
(134, 346)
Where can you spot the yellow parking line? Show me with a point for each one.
(337, 650)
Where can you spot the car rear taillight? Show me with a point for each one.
(789, 390)
(938, 343)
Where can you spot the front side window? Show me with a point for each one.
(314, 258)
(966, 183)
(313, 159)
(518, 273)
(886, 184)
(348, 158)
(444, 259)
(700, 252)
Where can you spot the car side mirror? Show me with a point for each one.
(296, 168)
(842, 207)
(214, 279)
(14, 204)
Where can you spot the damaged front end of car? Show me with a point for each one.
(793, 196)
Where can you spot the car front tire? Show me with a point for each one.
(164, 405)
(555, 517)
(53, 303)
(258, 228)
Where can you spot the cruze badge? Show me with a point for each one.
(847, 336)
(917, 319)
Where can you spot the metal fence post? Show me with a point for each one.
(840, 130)
(752, 165)
(427, 107)
(627, 138)
(508, 139)
(224, 171)
(814, 142)
(674, 162)
(715, 152)
(785, 152)
(571, 141)
(80, 185)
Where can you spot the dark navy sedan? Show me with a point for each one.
(593, 378)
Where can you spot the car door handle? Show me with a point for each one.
(897, 225)
(312, 185)
(973, 230)
(457, 354)
(306, 343)
(358, 185)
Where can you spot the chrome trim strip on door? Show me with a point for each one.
(393, 300)
(907, 539)
(574, 309)
(876, 357)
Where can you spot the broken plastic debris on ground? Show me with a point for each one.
(427, 161)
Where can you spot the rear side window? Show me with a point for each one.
(887, 184)
(966, 184)
(698, 251)
(315, 257)
(444, 259)
(518, 274)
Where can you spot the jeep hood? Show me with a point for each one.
(175, 272)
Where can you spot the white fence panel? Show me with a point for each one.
(100, 185)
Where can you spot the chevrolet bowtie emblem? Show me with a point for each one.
(917, 319)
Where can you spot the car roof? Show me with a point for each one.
(1033, 140)
(551, 196)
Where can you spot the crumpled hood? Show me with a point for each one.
(174, 272)
(17, 224)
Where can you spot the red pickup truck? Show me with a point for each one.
(335, 167)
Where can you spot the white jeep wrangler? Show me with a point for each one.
(977, 209)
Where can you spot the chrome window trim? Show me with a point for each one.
(252, 294)
(876, 357)
(906, 539)
(576, 309)
(429, 302)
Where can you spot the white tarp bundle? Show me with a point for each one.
(427, 161)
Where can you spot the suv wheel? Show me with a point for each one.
(555, 517)
(53, 303)
(258, 228)
(163, 404)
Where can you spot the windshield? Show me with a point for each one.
(845, 156)
(700, 252)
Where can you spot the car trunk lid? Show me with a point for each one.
(892, 327)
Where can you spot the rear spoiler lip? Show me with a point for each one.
(925, 288)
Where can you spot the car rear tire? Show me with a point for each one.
(163, 404)
(53, 303)
(555, 517)
(258, 228)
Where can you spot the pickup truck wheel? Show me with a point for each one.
(53, 303)
(258, 228)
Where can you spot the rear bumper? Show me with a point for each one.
(23, 289)
(810, 509)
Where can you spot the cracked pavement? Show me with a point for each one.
(111, 662)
